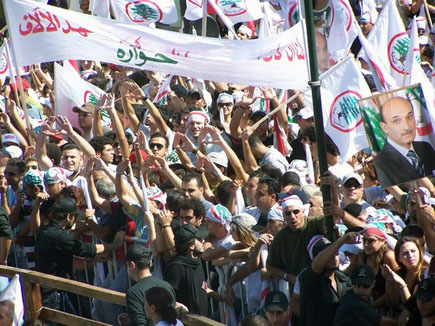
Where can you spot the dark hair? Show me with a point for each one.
(290, 178)
(98, 143)
(174, 200)
(70, 146)
(162, 301)
(98, 80)
(309, 133)
(54, 153)
(399, 244)
(412, 230)
(254, 139)
(257, 173)
(19, 163)
(223, 191)
(331, 148)
(271, 171)
(189, 176)
(160, 135)
(75, 193)
(139, 110)
(194, 204)
(273, 187)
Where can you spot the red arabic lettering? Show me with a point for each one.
(30, 28)
(293, 50)
(186, 54)
(35, 25)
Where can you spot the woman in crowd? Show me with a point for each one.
(159, 308)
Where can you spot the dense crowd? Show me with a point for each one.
(195, 205)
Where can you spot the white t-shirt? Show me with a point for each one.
(274, 158)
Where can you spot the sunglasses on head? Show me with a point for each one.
(294, 211)
(159, 146)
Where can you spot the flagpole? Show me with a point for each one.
(317, 108)
(20, 84)
(8, 54)
(204, 18)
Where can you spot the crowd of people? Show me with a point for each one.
(198, 208)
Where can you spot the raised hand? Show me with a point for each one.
(65, 124)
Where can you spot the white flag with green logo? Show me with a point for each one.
(342, 87)
(145, 11)
(70, 91)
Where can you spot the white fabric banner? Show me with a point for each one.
(71, 90)
(100, 8)
(145, 11)
(342, 86)
(42, 33)
(235, 10)
(13, 293)
(343, 31)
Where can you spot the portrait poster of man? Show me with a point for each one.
(400, 133)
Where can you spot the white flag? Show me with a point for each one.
(83, 37)
(100, 8)
(413, 59)
(5, 69)
(343, 31)
(70, 91)
(13, 293)
(342, 86)
(163, 90)
(145, 11)
(194, 9)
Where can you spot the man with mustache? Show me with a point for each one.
(402, 159)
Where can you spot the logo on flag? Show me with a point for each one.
(397, 51)
(293, 14)
(232, 7)
(344, 111)
(90, 97)
(3, 64)
(348, 21)
(143, 11)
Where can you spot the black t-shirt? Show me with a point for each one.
(135, 298)
(354, 310)
(186, 276)
(5, 227)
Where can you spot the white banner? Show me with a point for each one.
(343, 31)
(342, 86)
(71, 90)
(43, 33)
(13, 294)
(145, 11)
(235, 10)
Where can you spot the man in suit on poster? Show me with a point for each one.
(402, 159)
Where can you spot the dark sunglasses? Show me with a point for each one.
(225, 104)
(159, 146)
(10, 174)
(368, 240)
(352, 184)
(294, 211)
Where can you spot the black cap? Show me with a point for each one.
(66, 205)
(137, 253)
(276, 301)
(185, 234)
(353, 209)
(195, 91)
(362, 274)
(426, 289)
(179, 90)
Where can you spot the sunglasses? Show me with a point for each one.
(10, 174)
(294, 211)
(352, 184)
(159, 146)
(225, 104)
(369, 240)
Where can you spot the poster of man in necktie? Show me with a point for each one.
(400, 132)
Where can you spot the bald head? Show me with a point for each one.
(398, 122)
